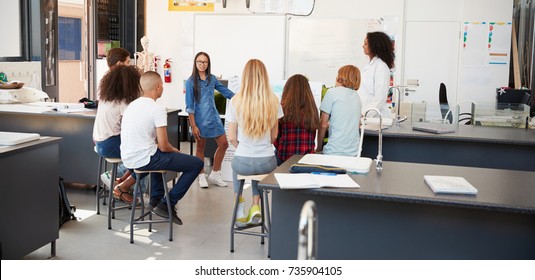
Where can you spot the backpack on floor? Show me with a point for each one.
(66, 210)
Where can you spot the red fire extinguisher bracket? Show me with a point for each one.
(167, 70)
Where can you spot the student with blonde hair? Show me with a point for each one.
(340, 113)
(253, 115)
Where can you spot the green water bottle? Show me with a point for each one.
(3, 77)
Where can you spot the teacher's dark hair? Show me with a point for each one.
(381, 46)
(195, 74)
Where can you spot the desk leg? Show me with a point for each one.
(53, 249)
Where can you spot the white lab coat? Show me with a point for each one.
(374, 87)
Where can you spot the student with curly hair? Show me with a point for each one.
(118, 88)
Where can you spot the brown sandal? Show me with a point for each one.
(125, 197)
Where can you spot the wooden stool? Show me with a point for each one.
(141, 218)
(265, 224)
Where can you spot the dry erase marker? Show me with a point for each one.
(323, 173)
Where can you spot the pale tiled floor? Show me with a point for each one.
(205, 234)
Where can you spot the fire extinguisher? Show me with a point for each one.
(167, 70)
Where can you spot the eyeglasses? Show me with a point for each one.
(202, 62)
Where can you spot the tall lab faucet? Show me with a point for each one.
(399, 118)
(379, 159)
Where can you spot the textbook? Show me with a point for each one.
(314, 181)
(449, 185)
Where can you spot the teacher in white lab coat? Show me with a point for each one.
(376, 75)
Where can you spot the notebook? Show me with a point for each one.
(314, 181)
(15, 138)
(449, 185)
(437, 128)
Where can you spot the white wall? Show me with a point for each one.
(171, 33)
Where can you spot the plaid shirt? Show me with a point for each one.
(294, 140)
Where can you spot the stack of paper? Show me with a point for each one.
(449, 185)
(314, 181)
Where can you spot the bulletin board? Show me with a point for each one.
(231, 40)
(318, 47)
(485, 59)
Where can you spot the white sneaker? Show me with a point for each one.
(217, 179)
(202, 181)
(106, 179)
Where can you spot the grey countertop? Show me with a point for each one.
(6, 150)
(469, 133)
(498, 190)
(90, 113)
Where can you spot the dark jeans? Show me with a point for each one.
(110, 148)
(190, 167)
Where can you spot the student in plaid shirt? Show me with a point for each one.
(297, 129)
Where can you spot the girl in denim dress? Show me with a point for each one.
(204, 117)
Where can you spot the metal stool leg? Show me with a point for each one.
(265, 224)
(141, 218)
(98, 187)
(111, 201)
(232, 226)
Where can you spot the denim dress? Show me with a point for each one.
(206, 115)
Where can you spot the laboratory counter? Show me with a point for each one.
(78, 160)
(29, 197)
(473, 146)
(395, 215)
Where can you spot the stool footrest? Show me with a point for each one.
(137, 222)
(252, 233)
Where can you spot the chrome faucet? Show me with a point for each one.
(399, 119)
(379, 159)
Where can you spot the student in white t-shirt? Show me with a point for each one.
(118, 88)
(145, 146)
(253, 116)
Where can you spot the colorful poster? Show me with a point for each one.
(191, 6)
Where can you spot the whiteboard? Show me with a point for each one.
(318, 47)
(231, 40)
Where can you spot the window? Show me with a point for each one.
(70, 38)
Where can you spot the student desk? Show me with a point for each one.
(29, 197)
(77, 157)
(474, 146)
(395, 215)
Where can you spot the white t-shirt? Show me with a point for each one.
(138, 136)
(374, 87)
(249, 147)
(108, 120)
